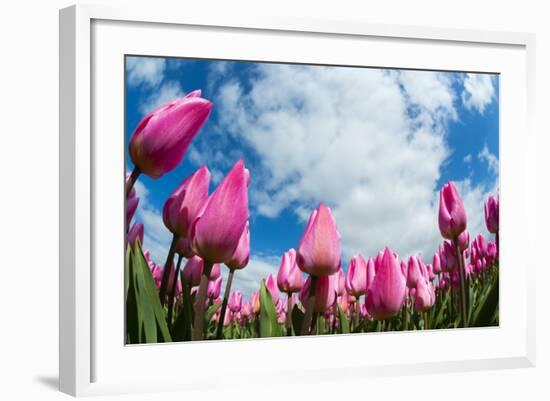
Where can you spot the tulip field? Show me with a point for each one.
(184, 298)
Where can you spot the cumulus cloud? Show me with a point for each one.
(491, 159)
(167, 91)
(368, 142)
(147, 71)
(248, 279)
(478, 91)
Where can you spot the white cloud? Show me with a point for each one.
(167, 91)
(478, 91)
(368, 142)
(468, 158)
(491, 159)
(148, 71)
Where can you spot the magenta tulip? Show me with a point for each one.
(135, 232)
(235, 302)
(424, 297)
(192, 271)
(448, 257)
(216, 233)
(452, 215)
(240, 257)
(215, 272)
(341, 283)
(464, 240)
(492, 214)
(289, 276)
(413, 272)
(356, 278)
(319, 250)
(183, 248)
(387, 291)
(370, 272)
(436, 265)
(214, 288)
(183, 206)
(162, 137)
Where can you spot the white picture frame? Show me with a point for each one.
(82, 343)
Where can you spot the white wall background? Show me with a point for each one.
(29, 198)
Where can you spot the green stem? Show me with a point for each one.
(461, 279)
(131, 181)
(357, 314)
(219, 332)
(173, 291)
(199, 302)
(167, 269)
(405, 317)
(288, 320)
(309, 307)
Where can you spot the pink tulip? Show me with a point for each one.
(413, 272)
(491, 214)
(452, 215)
(135, 232)
(481, 245)
(214, 288)
(235, 302)
(156, 271)
(448, 257)
(240, 257)
(246, 310)
(215, 272)
(319, 250)
(325, 292)
(271, 285)
(216, 233)
(345, 301)
(192, 271)
(464, 240)
(492, 251)
(356, 279)
(424, 296)
(385, 296)
(162, 137)
(183, 206)
(289, 277)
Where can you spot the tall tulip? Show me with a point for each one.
(162, 137)
(452, 215)
(180, 210)
(235, 302)
(387, 291)
(238, 260)
(356, 279)
(318, 253)
(289, 281)
(492, 214)
(216, 232)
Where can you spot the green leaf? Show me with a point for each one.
(269, 327)
(344, 324)
(132, 311)
(297, 320)
(150, 300)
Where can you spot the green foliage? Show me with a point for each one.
(269, 326)
(344, 324)
(145, 316)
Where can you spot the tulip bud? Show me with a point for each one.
(235, 302)
(192, 271)
(463, 240)
(319, 249)
(183, 206)
(271, 285)
(413, 272)
(135, 232)
(162, 137)
(216, 232)
(452, 215)
(214, 288)
(387, 291)
(424, 296)
(436, 263)
(448, 257)
(289, 276)
(356, 279)
(491, 214)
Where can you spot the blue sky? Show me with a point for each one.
(375, 145)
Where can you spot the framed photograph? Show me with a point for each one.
(251, 189)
